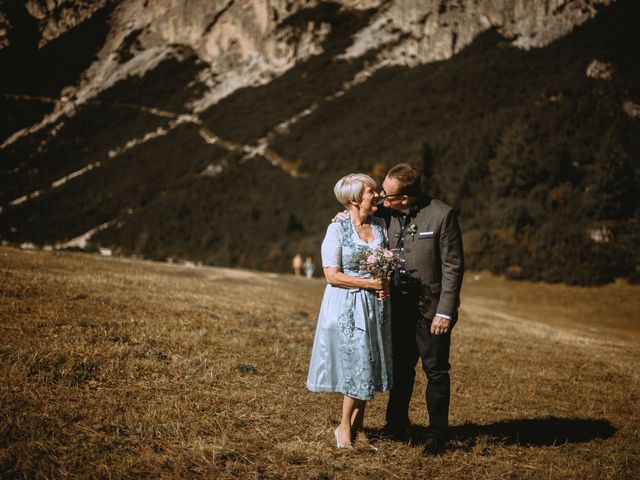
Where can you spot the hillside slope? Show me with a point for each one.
(541, 159)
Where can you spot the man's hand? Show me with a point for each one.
(343, 215)
(439, 325)
(385, 292)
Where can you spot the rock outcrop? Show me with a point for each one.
(249, 42)
(56, 17)
(414, 32)
(600, 70)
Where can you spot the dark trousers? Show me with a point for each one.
(412, 339)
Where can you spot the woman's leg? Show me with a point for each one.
(344, 430)
(352, 412)
(357, 418)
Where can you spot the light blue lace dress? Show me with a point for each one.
(352, 347)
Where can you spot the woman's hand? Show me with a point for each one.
(343, 215)
(376, 283)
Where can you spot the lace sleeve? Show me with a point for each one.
(332, 247)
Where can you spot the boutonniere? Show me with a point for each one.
(412, 229)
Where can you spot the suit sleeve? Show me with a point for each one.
(452, 258)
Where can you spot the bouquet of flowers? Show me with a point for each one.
(380, 262)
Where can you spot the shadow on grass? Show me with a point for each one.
(528, 432)
(534, 432)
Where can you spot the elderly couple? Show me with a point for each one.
(370, 331)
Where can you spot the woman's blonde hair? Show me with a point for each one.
(350, 188)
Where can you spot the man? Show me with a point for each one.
(425, 295)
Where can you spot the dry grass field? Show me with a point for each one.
(115, 368)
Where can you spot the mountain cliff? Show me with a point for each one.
(213, 130)
(248, 43)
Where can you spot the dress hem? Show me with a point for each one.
(331, 389)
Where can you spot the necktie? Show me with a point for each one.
(400, 243)
(396, 279)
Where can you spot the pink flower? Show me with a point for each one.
(371, 259)
(388, 254)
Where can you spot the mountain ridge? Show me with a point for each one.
(248, 180)
(247, 43)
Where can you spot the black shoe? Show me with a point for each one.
(399, 434)
(433, 446)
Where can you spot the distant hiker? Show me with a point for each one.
(352, 346)
(308, 267)
(296, 264)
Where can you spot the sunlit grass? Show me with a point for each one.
(118, 368)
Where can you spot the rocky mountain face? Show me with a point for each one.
(249, 42)
(148, 104)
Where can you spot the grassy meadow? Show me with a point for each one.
(116, 368)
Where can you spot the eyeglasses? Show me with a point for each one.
(387, 196)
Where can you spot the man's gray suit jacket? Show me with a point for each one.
(433, 254)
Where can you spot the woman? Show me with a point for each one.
(352, 347)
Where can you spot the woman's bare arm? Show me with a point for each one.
(337, 278)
